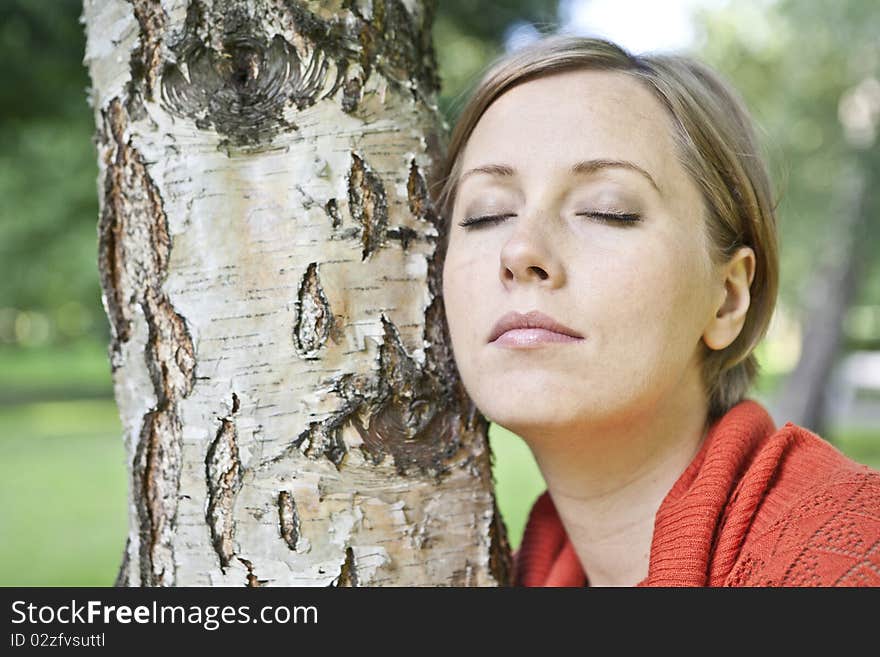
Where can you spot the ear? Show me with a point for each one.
(733, 300)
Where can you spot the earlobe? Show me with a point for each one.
(730, 314)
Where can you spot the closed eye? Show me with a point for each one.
(612, 217)
(607, 217)
(487, 219)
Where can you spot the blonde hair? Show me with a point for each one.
(717, 146)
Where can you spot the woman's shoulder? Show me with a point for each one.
(818, 521)
(809, 464)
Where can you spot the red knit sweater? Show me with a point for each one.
(757, 506)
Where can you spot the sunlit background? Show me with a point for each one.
(808, 71)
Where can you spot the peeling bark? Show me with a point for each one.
(270, 264)
(314, 320)
(223, 478)
(134, 248)
(288, 519)
(369, 207)
(252, 579)
(147, 58)
(348, 572)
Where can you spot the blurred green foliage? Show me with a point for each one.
(49, 291)
(468, 35)
(809, 74)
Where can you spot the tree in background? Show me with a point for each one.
(810, 73)
(49, 291)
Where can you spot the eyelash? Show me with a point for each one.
(605, 217)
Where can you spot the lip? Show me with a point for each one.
(530, 329)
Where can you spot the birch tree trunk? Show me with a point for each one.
(270, 264)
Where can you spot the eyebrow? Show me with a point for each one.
(584, 166)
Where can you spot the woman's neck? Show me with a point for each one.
(608, 482)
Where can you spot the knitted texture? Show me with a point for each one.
(756, 506)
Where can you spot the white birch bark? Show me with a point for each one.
(270, 264)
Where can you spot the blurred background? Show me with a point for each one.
(810, 72)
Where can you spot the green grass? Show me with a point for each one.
(518, 482)
(73, 372)
(63, 518)
(862, 445)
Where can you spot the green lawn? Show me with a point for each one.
(518, 482)
(77, 371)
(862, 445)
(63, 489)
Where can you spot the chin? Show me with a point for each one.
(520, 415)
(543, 411)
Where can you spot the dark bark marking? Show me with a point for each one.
(500, 557)
(412, 419)
(439, 359)
(111, 254)
(157, 477)
(252, 579)
(242, 90)
(169, 351)
(420, 206)
(390, 40)
(133, 240)
(226, 73)
(313, 319)
(348, 572)
(351, 94)
(332, 210)
(418, 198)
(288, 519)
(229, 76)
(133, 253)
(368, 204)
(171, 363)
(402, 233)
(324, 439)
(403, 411)
(223, 474)
(147, 58)
(398, 45)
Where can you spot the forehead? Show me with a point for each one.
(552, 121)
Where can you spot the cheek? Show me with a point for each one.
(461, 281)
(653, 301)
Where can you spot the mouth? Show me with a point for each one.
(531, 329)
(532, 337)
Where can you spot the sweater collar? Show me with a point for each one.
(685, 525)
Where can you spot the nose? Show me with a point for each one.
(529, 256)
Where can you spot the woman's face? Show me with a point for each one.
(639, 288)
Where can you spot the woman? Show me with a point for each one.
(611, 265)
